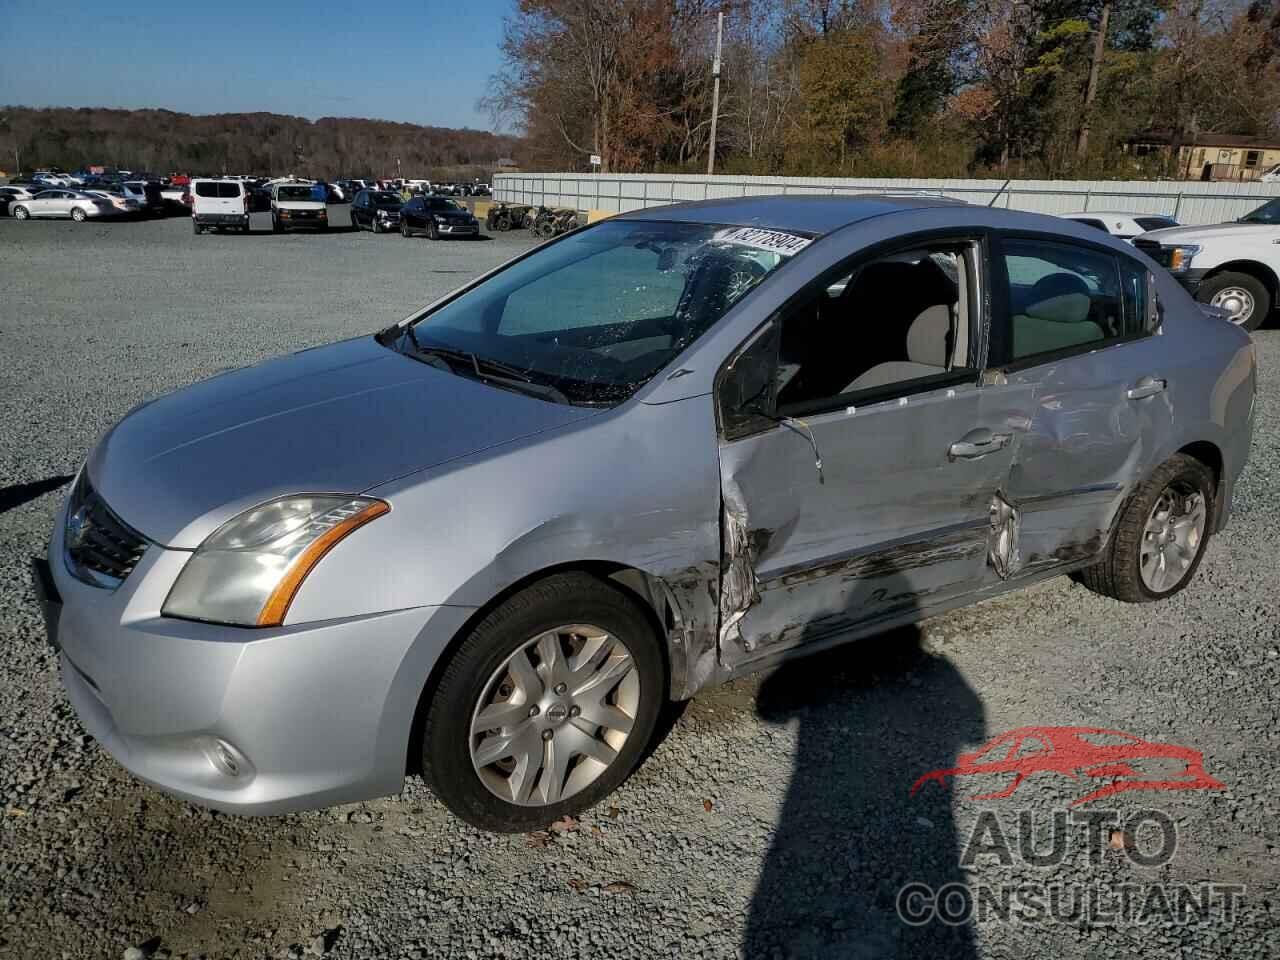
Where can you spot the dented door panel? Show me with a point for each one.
(891, 523)
(1086, 445)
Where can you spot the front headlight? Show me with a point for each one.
(385, 214)
(247, 572)
(1180, 257)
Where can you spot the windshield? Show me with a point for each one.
(294, 193)
(1267, 213)
(386, 199)
(439, 203)
(1155, 223)
(597, 314)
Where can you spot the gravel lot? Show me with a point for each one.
(773, 821)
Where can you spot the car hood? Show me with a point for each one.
(1212, 231)
(339, 419)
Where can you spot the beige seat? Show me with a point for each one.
(1054, 323)
(928, 346)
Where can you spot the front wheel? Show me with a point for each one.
(1242, 295)
(21, 213)
(433, 232)
(546, 707)
(377, 225)
(1160, 537)
(196, 228)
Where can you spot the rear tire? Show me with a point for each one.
(1238, 288)
(196, 228)
(78, 215)
(1120, 574)
(481, 673)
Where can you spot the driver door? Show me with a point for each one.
(860, 491)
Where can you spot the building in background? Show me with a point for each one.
(1212, 156)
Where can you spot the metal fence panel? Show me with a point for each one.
(1189, 202)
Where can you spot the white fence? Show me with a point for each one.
(1190, 202)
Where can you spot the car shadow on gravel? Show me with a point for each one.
(19, 493)
(873, 716)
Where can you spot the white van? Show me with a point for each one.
(219, 204)
(298, 204)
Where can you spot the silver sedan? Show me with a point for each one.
(666, 450)
(78, 205)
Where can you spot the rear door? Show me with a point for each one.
(1072, 348)
(863, 494)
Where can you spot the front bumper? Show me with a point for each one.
(458, 229)
(1190, 280)
(315, 714)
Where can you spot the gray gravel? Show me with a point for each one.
(773, 821)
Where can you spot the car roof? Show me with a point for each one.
(814, 214)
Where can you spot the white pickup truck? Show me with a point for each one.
(1235, 266)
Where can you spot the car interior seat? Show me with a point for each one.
(1057, 315)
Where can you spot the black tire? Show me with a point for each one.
(196, 228)
(1262, 301)
(1118, 574)
(559, 599)
(404, 230)
(21, 213)
(433, 232)
(503, 224)
(78, 215)
(376, 225)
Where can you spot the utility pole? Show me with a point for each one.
(715, 95)
(1099, 46)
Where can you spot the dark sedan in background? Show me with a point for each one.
(376, 210)
(437, 217)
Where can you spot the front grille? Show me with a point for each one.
(1153, 250)
(101, 548)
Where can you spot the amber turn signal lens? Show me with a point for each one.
(277, 605)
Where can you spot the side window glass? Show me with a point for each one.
(1060, 296)
(894, 321)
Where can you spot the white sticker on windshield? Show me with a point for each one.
(775, 241)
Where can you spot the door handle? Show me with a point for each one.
(978, 443)
(1147, 387)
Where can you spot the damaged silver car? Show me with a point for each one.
(660, 452)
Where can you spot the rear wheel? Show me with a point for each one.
(78, 215)
(1160, 537)
(196, 228)
(546, 707)
(1242, 295)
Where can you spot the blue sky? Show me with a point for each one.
(424, 62)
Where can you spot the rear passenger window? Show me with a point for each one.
(228, 191)
(207, 189)
(1060, 297)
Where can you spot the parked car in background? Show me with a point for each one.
(219, 204)
(376, 210)
(282, 587)
(437, 217)
(298, 205)
(147, 195)
(63, 203)
(1235, 266)
(1122, 226)
(1272, 175)
(11, 194)
(125, 206)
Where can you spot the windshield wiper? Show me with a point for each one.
(494, 372)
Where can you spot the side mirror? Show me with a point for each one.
(745, 391)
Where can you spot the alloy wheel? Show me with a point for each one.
(555, 715)
(1172, 537)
